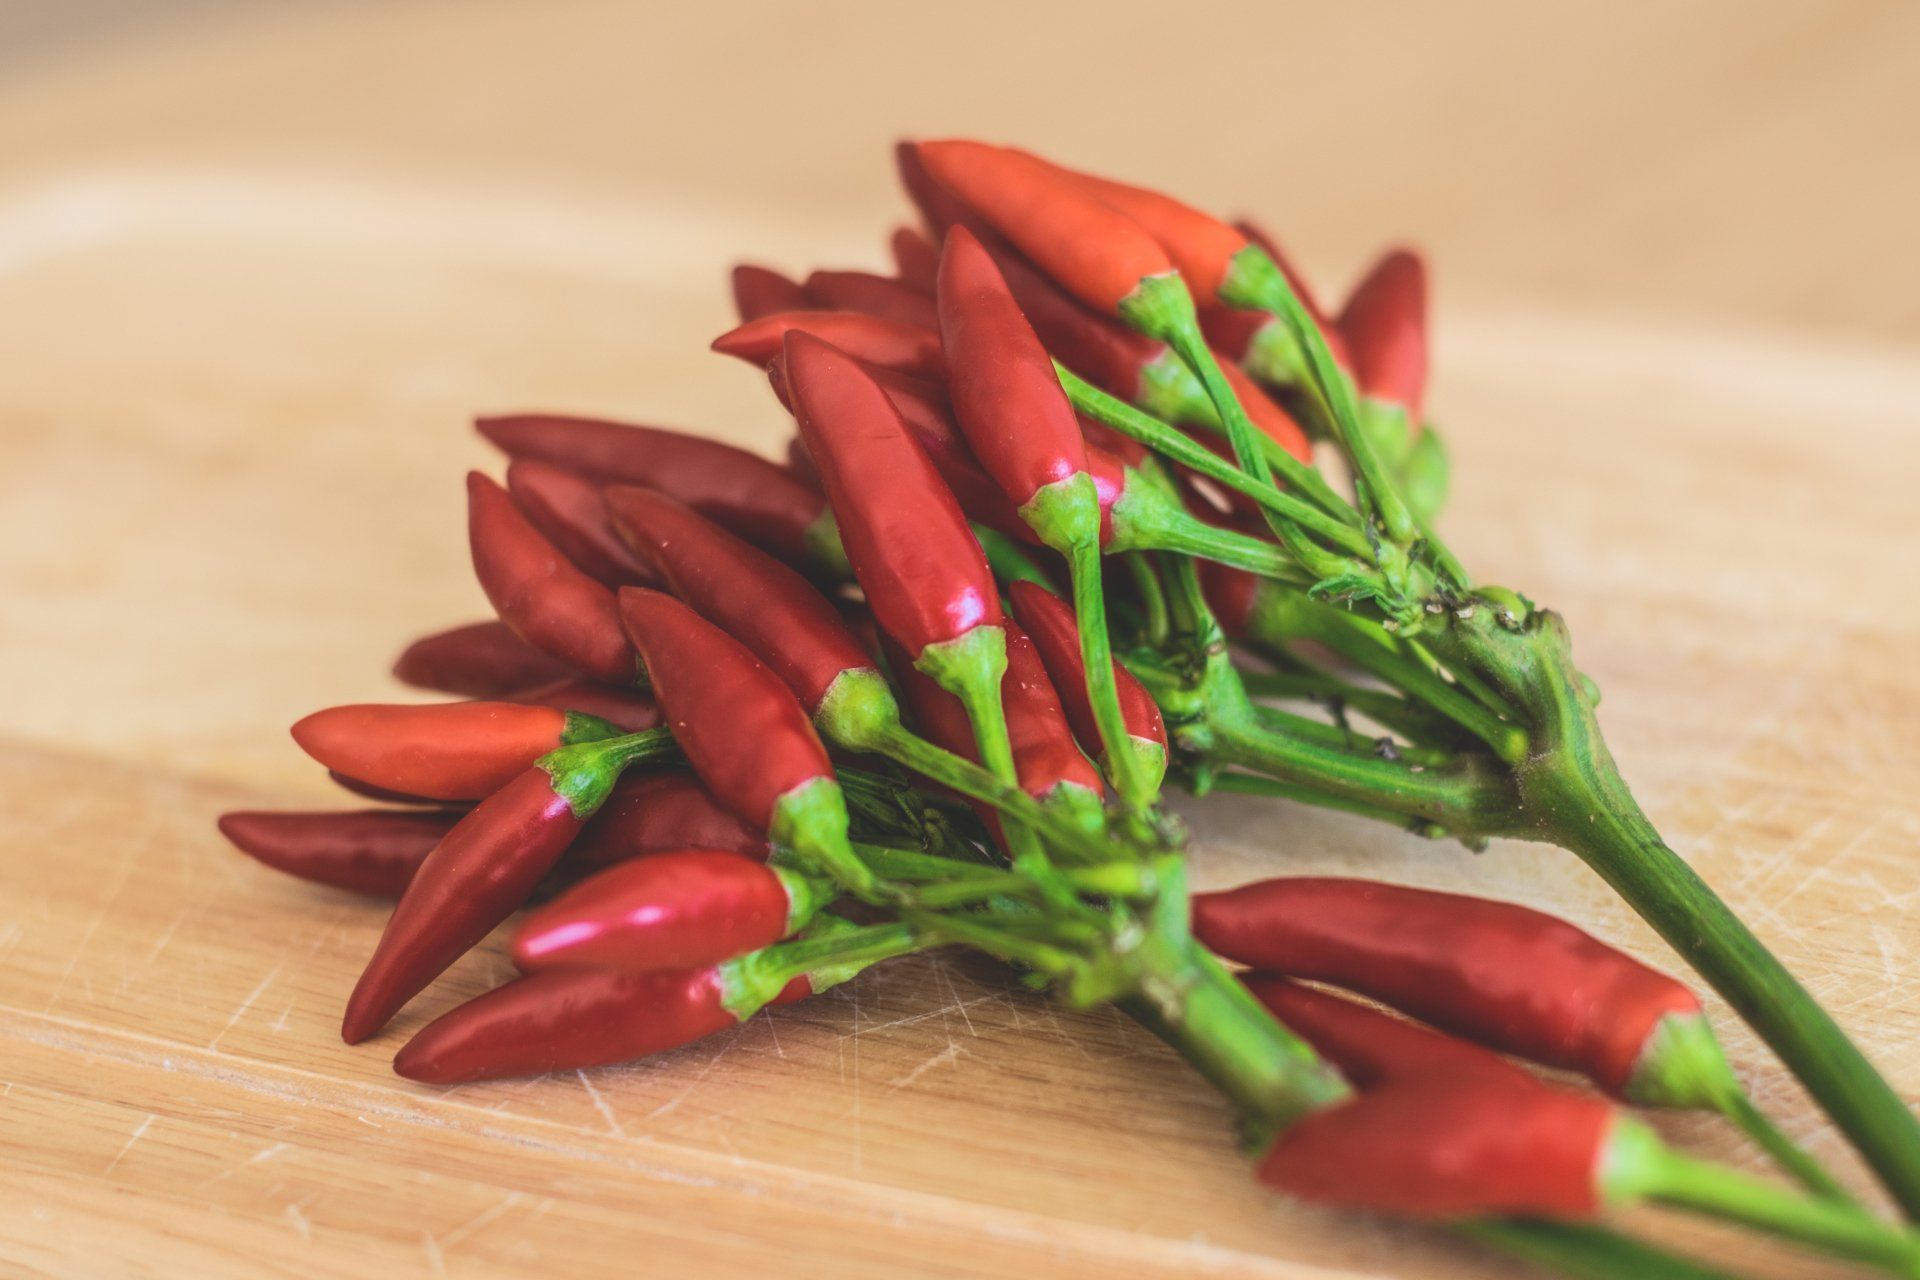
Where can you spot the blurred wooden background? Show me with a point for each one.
(259, 262)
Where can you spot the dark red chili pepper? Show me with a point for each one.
(872, 295)
(371, 851)
(1050, 625)
(476, 877)
(538, 592)
(1096, 254)
(654, 812)
(1385, 326)
(761, 291)
(1440, 1130)
(799, 461)
(751, 596)
(478, 660)
(624, 709)
(569, 512)
(1005, 395)
(925, 576)
(887, 343)
(1507, 976)
(682, 909)
(741, 491)
(915, 259)
(569, 1019)
(449, 751)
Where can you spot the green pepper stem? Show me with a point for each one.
(1136, 790)
(1796, 1161)
(1585, 1251)
(1153, 596)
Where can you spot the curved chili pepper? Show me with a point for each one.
(568, 1019)
(654, 812)
(625, 709)
(569, 512)
(924, 574)
(682, 909)
(370, 851)
(1050, 625)
(1507, 976)
(915, 259)
(887, 343)
(738, 490)
(1385, 326)
(754, 598)
(478, 660)
(449, 751)
(1098, 255)
(871, 295)
(476, 877)
(538, 592)
(761, 291)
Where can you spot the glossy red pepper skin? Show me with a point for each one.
(1102, 351)
(625, 709)
(1094, 253)
(921, 567)
(476, 877)
(870, 294)
(741, 728)
(915, 259)
(1504, 975)
(478, 660)
(570, 1019)
(1441, 1129)
(450, 751)
(1200, 245)
(681, 909)
(1050, 625)
(887, 343)
(569, 512)
(741, 491)
(761, 291)
(538, 592)
(1384, 323)
(370, 851)
(754, 598)
(651, 813)
(1005, 394)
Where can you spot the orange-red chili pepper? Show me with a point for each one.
(1384, 323)
(538, 592)
(1050, 625)
(370, 851)
(1201, 246)
(569, 512)
(755, 498)
(568, 1019)
(654, 812)
(915, 259)
(761, 291)
(872, 295)
(448, 751)
(478, 660)
(890, 344)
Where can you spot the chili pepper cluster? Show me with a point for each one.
(1050, 536)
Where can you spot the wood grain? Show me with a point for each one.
(253, 284)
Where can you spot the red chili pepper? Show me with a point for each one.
(371, 851)
(915, 258)
(925, 576)
(478, 660)
(871, 295)
(538, 592)
(1234, 331)
(1441, 1130)
(569, 512)
(1055, 634)
(569, 1019)
(887, 343)
(738, 490)
(476, 877)
(1266, 414)
(761, 291)
(682, 909)
(1104, 352)
(1006, 397)
(754, 598)
(1201, 246)
(624, 709)
(1507, 976)
(449, 751)
(654, 812)
(1096, 254)
(1385, 326)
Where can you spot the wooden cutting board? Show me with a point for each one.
(251, 288)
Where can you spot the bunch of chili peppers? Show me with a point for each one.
(1051, 535)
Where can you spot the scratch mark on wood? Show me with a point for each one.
(122, 1154)
(600, 1105)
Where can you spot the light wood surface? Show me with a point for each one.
(254, 276)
